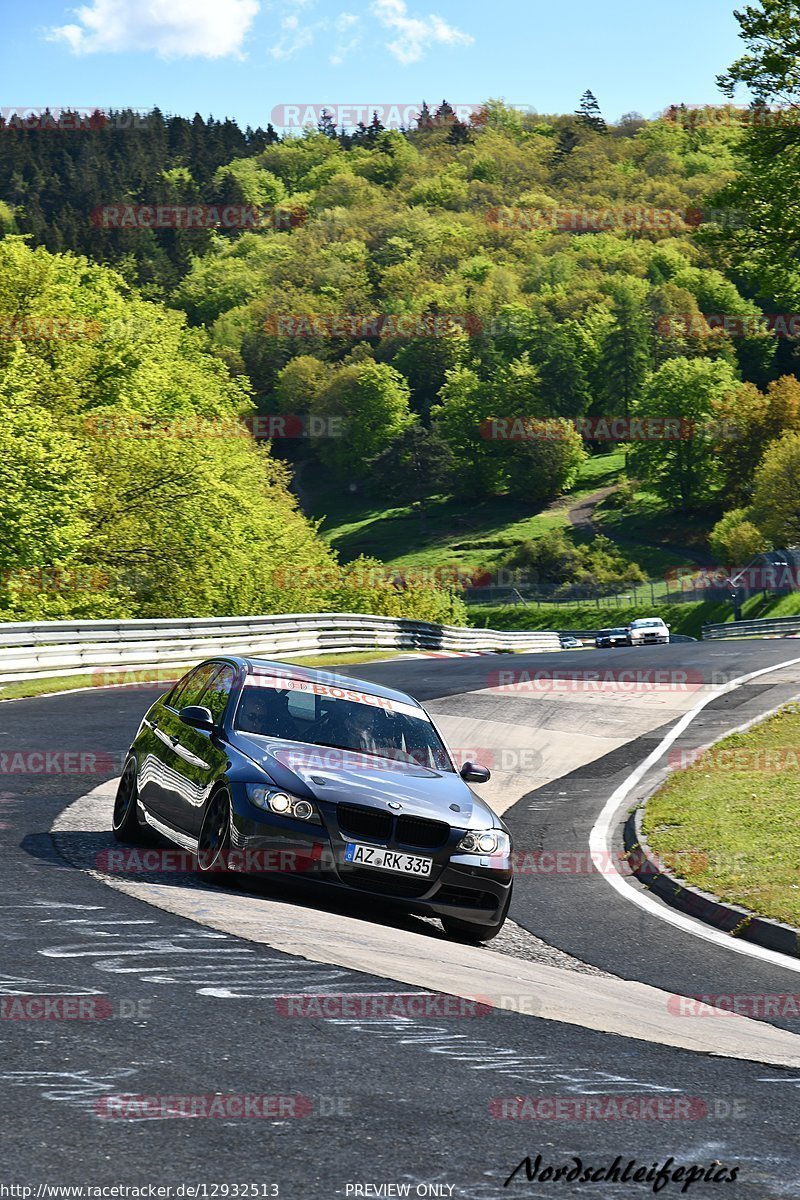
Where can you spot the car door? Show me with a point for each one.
(200, 756)
(169, 794)
(155, 744)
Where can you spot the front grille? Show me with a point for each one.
(364, 822)
(385, 885)
(426, 835)
(370, 823)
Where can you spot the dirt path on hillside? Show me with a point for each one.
(581, 517)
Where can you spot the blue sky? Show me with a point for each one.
(244, 58)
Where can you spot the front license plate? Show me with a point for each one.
(387, 860)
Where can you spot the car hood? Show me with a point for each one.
(349, 776)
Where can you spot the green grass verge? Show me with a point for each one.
(759, 607)
(65, 683)
(687, 619)
(731, 826)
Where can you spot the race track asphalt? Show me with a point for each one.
(422, 1101)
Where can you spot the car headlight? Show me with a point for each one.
(283, 803)
(485, 841)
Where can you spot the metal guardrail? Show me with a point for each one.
(768, 627)
(47, 649)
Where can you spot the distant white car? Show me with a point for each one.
(648, 630)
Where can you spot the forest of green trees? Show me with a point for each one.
(395, 294)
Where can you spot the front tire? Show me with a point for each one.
(215, 835)
(470, 931)
(124, 822)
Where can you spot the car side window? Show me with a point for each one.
(174, 697)
(218, 692)
(192, 689)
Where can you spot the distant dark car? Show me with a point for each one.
(260, 767)
(607, 638)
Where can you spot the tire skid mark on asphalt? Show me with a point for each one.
(164, 958)
(80, 1089)
(540, 1069)
(83, 1090)
(19, 985)
(9, 804)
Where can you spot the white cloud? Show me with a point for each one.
(415, 34)
(175, 29)
(295, 37)
(344, 45)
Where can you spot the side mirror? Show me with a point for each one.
(197, 717)
(475, 773)
(669, 627)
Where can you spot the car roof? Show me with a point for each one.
(265, 666)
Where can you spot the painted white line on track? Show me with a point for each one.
(600, 839)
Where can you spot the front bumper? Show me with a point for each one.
(465, 886)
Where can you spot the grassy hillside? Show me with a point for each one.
(474, 534)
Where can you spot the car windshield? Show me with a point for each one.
(342, 719)
(617, 632)
(655, 623)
